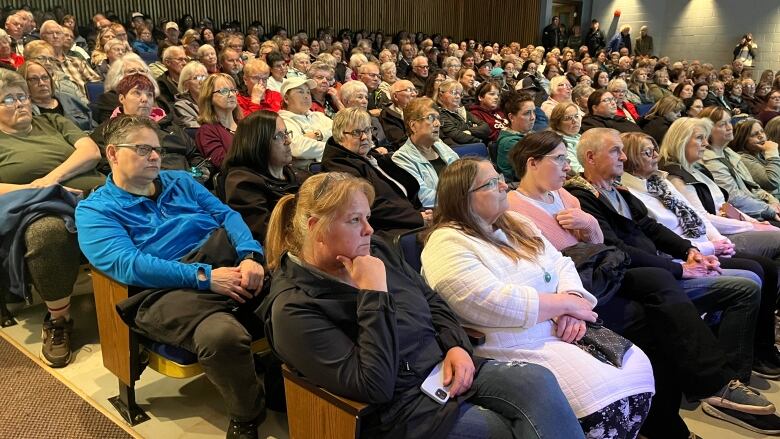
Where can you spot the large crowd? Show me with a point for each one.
(618, 245)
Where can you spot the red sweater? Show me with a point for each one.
(214, 141)
(272, 101)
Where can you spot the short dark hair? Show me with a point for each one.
(534, 145)
(485, 87)
(273, 57)
(252, 142)
(595, 98)
(512, 100)
(119, 128)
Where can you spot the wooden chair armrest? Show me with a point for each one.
(350, 406)
(475, 337)
(114, 333)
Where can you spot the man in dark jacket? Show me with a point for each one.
(595, 39)
(392, 116)
(552, 35)
(174, 59)
(419, 73)
(602, 109)
(625, 223)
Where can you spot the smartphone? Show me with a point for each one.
(434, 387)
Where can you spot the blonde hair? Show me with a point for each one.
(323, 196)
(208, 114)
(556, 116)
(677, 137)
(349, 117)
(632, 147)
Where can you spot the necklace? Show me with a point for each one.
(547, 275)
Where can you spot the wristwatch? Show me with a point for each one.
(257, 257)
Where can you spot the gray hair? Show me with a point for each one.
(349, 117)
(319, 66)
(188, 72)
(298, 57)
(117, 71)
(357, 60)
(616, 83)
(592, 140)
(4, 36)
(449, 62)
(580, 91)
(49, 23)
(10, 79)
(168, 52)
(348, 91)
(328, 59)
(386, 67)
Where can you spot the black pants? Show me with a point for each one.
(652, 311)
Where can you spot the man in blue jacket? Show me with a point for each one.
(194, 257)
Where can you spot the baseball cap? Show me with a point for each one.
(171, 25)
(136, 15)
(497, 72)
(291, 83)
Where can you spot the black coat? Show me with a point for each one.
(254, 194)
(552, 37)
(393, 125)
(595, 41)
(392, 210)
(656, 127)
(641, 238)
(370, 346)
(453, 128)
(618, 123)
(108, 101)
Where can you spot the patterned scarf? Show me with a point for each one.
(691, 223)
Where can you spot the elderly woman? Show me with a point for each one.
(424, 155)
(311, 129)
(44, 158)
(186, 104)
(772, 107)
(388, 72)
(257, 170)
(658, 120)
(325, 263)
(734, 97)
(565, 120)
(451, 66)
(660, 86)
(499, 274)
(7, 54)
(325, 96)
(560, 92)
(467, 78)
(731, 174)
(299, 66)
(397, 206)
(47, 100)
(109, 100)
(671, 209)
(520, 110)
(219, 113)
(580, 95)
(759, 155)
(602, 113)
(624, 108)
(354, 94)
(458, 126)
(114, 50)
(208, 57)
(488, 108)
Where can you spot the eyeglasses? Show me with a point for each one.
(43, 59)
(142, 149)
(491, 184)
(371, 75)
(649, 152)
(9, 100)
(430, 118)
(560, 159)
(609, 100)
(36, 79)
(199, 77)
(454, 93)
(258, 78)
(225, 91)
(421, 67)
(282, 135)
(571, 118)
(369, 132)
(409, 90)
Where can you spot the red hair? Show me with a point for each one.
(135, 80)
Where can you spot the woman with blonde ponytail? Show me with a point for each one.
(349, 314)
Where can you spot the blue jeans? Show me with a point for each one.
(737, 295)
(516, 399)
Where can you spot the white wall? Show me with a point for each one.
(706, 30)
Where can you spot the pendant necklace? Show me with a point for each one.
(547, 275)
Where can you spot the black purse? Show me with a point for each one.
(604, 344)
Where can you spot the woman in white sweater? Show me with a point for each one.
(501, 276)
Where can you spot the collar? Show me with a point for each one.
(639, 184)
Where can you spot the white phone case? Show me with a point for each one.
(433, 385)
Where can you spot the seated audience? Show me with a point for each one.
(730, 173)
(145, 45)
(99, 56)
(683, 90)
(9, 59)
(560, 92)
(257, 170)
(174, 59)
(186, 104)
(580, 95)
(43, 53)
(397, 206)
(392, 117)
(431, 88)
(354, 94)
(496, 270)
(258, 96)
(311, 129)
(467, 79)
(520, 110)
(458, 126)
(660, 86)
(602, 109)
(197, 265)
(75, 68)
(424, 155)
(219, 113)
(754, 103)
(388, 73)
(565, 120)
(488, 108)
(734, 97)
(369, 75)
(312, 249)
(658, 120)
(759, 155)
(693, 107)
(299, 65)
(45, 160)
(418, 73)
(47, 99)
(207, 56)
(230, 63)
(324, 97)
(623, 107)
(771, 108)
(638, 85)
(114, 50)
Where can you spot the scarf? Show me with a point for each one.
(691, 223)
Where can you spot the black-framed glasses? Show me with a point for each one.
(560, 159)
(370, 131)
(649, 152)
(282, 135)
(142, 149)
(10, 100)
(491, 184)
(226, 91)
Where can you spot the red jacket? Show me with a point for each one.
(272, 101)
(631, 110)
(495, 119)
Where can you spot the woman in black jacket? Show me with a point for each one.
(458, 126)
(351, 316)
(257, 170)
(350, 150)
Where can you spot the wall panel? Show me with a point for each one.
(496, 20)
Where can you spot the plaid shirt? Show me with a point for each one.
(79, 72)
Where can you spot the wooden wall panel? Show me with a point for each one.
(495, 20)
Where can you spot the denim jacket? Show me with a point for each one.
(412, 161)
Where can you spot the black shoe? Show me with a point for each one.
(766, 365)
(764, 424)
(245, 430)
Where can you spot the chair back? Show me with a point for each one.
(471, 149)
(94, 90)
(315, 167)
(410, 247)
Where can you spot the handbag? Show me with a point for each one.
(604, 344)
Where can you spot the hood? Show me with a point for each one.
(157, 114)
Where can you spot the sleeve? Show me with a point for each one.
(304, 147)
(502, 159)
(475, 293)
(453, 134)
(479, 128)
(766, 175)
(365, 369)
(394, 134)
(720, 223)
(244, 194)
(427, 194)
(741, 199)
(87, 72)
(210, 143)
(188, 118)
(67, 128)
